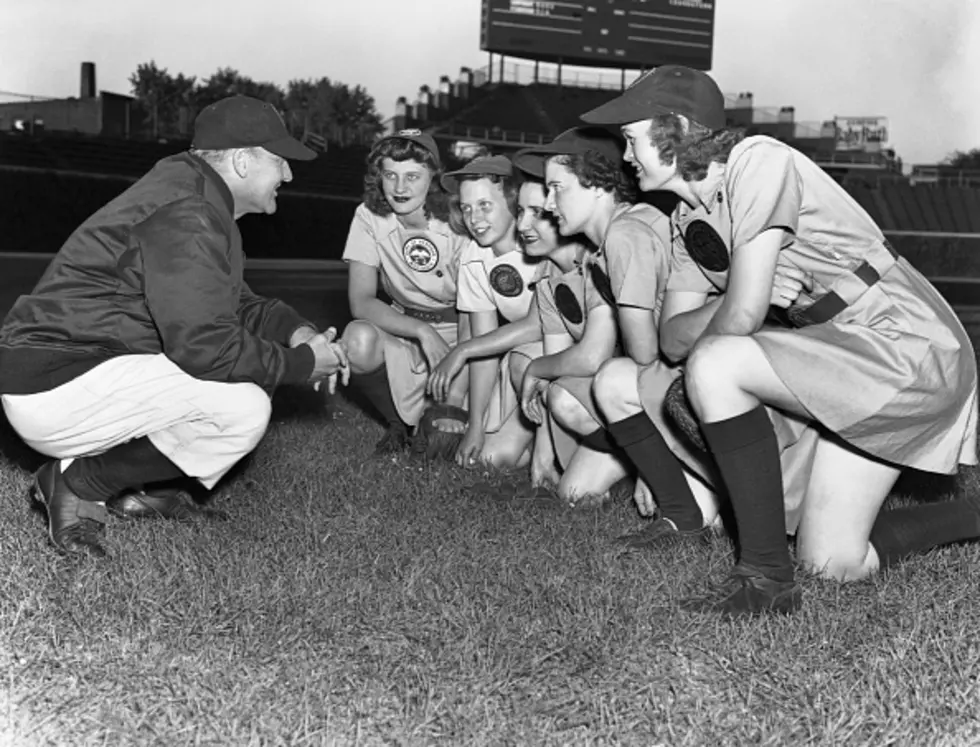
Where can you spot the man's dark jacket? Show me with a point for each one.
(157, 270)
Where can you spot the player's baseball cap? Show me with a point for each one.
(669, 89)
(480, 166)
(575, 141)
(418, 137)
(244, 122)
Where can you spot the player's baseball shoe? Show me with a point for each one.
(661, 532)
(748, 591)
(164, 503)
(74, 525)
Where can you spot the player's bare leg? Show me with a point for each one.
(591, 472)
(728, 378)
(369, 375)
(687, 506)
(509, 447)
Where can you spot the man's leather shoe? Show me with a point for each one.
(74, 525)
(165, 503)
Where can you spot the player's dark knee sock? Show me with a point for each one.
(904, 531)
(599, 440)
(129, 465)
(659, 468)
(375, 386)
(747, 454)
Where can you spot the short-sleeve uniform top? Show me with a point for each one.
(635, 254)
(891, 371)
(491, 283)
(565, 300)
(418, 268)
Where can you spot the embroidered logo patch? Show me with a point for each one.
(507, 281)
(706, 247)
(567, 303)
(421, 254)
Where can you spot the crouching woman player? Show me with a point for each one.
(872, 357)
(400, 237)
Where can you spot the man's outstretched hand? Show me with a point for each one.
(330, 360)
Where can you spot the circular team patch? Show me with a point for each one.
(421, 254)
(567, 303)
(706, 247)
(507, 281)
(601, 282)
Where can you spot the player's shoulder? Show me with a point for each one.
(641, 222)
(759, 146)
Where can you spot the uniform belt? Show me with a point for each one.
(837, 299)
(432, 316)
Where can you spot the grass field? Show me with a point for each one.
(355, 601)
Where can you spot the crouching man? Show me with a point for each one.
(142, 356)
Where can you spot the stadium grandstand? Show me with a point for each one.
(72, 155)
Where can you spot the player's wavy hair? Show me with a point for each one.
(398, 149)
(693, 145)
(592, 169)
(510, 185)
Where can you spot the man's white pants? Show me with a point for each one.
(204, 427)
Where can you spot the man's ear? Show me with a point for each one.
(239, 161)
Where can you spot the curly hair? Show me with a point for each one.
(397, 149)
(511, 186)
(693, 145)
(592, 169)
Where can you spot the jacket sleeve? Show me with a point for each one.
(269, 318)
(193, 297)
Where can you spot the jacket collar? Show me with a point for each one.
(216, 188)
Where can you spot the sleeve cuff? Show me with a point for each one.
(299, 364)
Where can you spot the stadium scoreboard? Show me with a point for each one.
(606, 33)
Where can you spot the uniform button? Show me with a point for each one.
(438, 273)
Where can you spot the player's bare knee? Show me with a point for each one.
(837, 562)
(567, 410)
(708, 369)
(609, 386)
(364, 346)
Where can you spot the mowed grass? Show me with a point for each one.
(353, 600)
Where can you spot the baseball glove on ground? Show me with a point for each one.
(679, 410)
(433, 443)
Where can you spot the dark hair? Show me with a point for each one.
(692, 144)
(592, 169)
(510, 185)
(397, 149)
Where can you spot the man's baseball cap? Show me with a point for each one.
(244, 122)
(669, 89)
(480, 166)
(575, 141)
(418, 137)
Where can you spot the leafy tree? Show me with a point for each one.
(163, 102)
(965, 159)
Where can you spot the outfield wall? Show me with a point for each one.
(41, 208)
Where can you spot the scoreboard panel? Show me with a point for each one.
(602, 33)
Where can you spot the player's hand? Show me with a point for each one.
(788, 283)
(433, 346)
(470, 448)
(532, 397)
(643, 498)
(442, 375)
(330, 359)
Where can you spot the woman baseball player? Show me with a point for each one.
(872, 359)
(400, 235)
(589, 193)
(568, 320)
(495, 277)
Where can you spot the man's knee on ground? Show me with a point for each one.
(613, 383)
(568, 411)
(365, 349)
